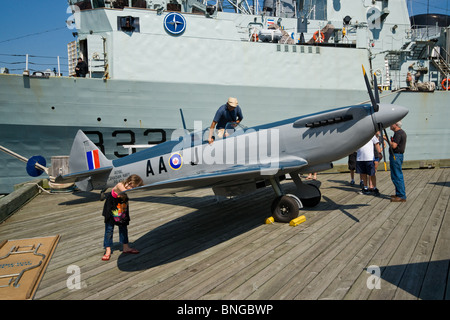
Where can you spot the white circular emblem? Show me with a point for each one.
(174, 23)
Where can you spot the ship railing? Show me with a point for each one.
(241, 6)
(92, 4)
(20, 63)
(445, 56)
(422, 32)
(238, 6)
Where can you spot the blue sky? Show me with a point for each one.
(39, 28)
(34, 27)
(435, 6)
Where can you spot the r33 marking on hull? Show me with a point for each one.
(122, 134)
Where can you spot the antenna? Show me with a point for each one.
(182, 119)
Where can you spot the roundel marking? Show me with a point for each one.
(174, 23)
(175, 161)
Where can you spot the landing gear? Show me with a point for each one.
(286, 207)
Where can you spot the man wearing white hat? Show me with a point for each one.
(229, 112)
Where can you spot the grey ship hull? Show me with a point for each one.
(41, 115)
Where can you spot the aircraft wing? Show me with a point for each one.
(82, 175)
(229, 176)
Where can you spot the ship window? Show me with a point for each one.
(128, 24)
(174, 7)
(83, 5)
(119, 4)
(98, 3)
(315, 10)
(88, 4)
(139, 3)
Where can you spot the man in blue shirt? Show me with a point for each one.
(229, 112)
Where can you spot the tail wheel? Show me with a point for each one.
(284, 209)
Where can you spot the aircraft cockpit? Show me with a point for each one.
(185, 139)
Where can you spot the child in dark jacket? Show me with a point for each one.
(116, 212)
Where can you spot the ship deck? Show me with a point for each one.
(194, 248)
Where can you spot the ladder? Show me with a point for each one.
(440, 64)
(387, 82)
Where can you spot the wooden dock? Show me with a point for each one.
(195, 248)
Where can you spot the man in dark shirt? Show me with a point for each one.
(396, 151)
(81, 69)
(227, 113)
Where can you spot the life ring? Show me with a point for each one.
(317, 38)
(255, 37)
(445, 87)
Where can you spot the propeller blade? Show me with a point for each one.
(377, 97)
(380, 126)
(369, 89)
(387, 137)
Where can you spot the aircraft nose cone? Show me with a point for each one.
(389, 114)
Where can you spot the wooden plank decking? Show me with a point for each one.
(194, 248)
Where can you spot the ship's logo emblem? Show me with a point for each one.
(175, 161)
(174, 23)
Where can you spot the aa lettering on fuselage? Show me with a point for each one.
(162, 167)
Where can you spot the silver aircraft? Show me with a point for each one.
(245, 159)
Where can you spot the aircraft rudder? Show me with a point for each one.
(85, 155)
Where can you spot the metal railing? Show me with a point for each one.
(20, 62)
(421, 32)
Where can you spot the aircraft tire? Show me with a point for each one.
(284, 209)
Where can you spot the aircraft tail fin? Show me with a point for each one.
(85, 155)
(88, 166)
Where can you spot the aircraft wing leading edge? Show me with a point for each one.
(235, 175)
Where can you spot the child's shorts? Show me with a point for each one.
(365, 167)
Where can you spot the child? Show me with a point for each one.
(365, 163)
(116, 212)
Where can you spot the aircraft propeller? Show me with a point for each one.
(375, 99)
(369, 89)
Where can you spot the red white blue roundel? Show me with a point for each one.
(175, 161)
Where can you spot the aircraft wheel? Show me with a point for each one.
(284, 209)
